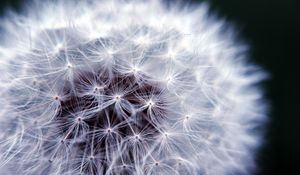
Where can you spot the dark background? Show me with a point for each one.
(272, 29)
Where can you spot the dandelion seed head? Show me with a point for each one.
(126, 88)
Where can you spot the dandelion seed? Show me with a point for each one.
(126, 88)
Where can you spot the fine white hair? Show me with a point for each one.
(126, 88)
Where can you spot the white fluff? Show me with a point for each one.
(203, 104)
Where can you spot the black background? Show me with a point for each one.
(272, 29)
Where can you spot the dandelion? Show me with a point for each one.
(126, 87)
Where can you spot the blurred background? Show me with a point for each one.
(272, 29)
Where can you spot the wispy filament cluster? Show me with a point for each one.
(125, 88)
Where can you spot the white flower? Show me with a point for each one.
(117, 88)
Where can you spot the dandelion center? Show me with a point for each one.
(103, 122)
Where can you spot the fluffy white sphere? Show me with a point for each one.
(126, 87)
